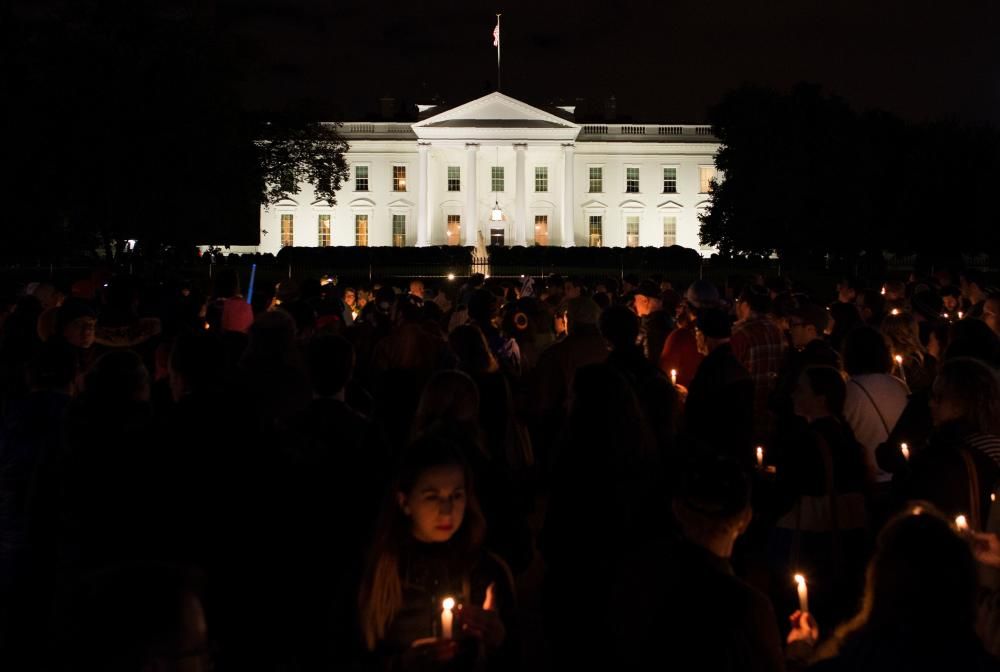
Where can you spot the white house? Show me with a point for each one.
(439, 181)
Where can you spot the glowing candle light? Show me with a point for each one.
(993, 496)
(673, 376)
(962, 524)
(960, 314)
(944, 315)
(899, 363)
(894, 311)
(905, 449)
(447, 617)
(803, 593)
(883, 290)
(760, 456)
(488, 602)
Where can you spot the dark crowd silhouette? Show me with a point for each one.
(500, 474)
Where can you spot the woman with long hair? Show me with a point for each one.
(911, 361)
(428, 572)
(919, 606)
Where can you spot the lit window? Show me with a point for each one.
(541, 178)
(287, 237)
(399, 178)
(669, 231)
(399, 230)
(596, 224)
(454, 178)
(324, 231)
(541, 229)
(361, 178)
(632, 180)
(454, 229)
(497, 178)
(705, 176)
(596, 179)
(361, 230)
(669, 180)
(632, 231)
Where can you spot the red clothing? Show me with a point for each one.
(237, 314)
(680, 352)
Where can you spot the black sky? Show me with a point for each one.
(664, 61)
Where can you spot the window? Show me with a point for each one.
(286, 231)
(669, 231)
(596, 174)
(541, 229)
(632, 231)
(595, 230)
(705, 176)
(541, 178)
(454, 229)
(361, 230)
(454, 178)
(632, 180)
(497, 178)
(669, 180)
(399, 230)
(360, 178)
(399, 178)
(496, 237)
(324, 231)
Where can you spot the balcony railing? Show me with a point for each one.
(631, 130)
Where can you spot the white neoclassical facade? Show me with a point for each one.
(555, 182)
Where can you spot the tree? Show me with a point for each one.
(293, 153)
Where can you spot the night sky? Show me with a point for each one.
(665, 62)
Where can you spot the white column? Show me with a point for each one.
(471, 194)
(520, 197)
(423, 206)
(567, 196)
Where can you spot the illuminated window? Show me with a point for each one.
(454, 229)
(287, 237)
(541, 229)
(669, 180)
(324, 231)
(596, 224)
(361, 178)
(669, 231)
(632, 180)
(705, 176)
(632, 231)
(399, 230)
(497, 178)
(541, 178)
(361, 230)
(454, 178)
(596, 175)
(399, 178)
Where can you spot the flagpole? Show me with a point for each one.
(498, 53)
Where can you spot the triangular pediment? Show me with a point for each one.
(495, 110)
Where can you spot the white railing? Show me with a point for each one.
(379, 128)
(646, 129)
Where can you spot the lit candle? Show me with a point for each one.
(883, 290)
(803, 593)
(447, 617)
(905, 449)
(760, 456)
(902, 371)
(894, 311)
(993, 496)
(673, 376)
(488, 602)
(944, 315)
(962, 524)
(960, 314)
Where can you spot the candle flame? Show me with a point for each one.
(961, 523)
(960, 314)
(894, 311)
(448, 604)
(899, 359)
(993, 496)
(917, 510)
(905, 449)
(799, 579)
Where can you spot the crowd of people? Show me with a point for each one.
(536, 473)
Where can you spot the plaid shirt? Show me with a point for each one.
(759, 345)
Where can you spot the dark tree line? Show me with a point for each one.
(805, 176)
(124, 121)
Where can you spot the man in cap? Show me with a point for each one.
(654, 322)
(680, 351)
(759, 346)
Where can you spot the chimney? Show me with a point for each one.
(387, 107)
(610, 109)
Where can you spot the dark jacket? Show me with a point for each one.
(719, 408)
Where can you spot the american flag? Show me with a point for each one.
(496, 35)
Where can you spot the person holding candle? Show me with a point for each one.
(915, 365)
(680, 597)
(680, 350)
(957, 469)
(427, 549)
(919, 606)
